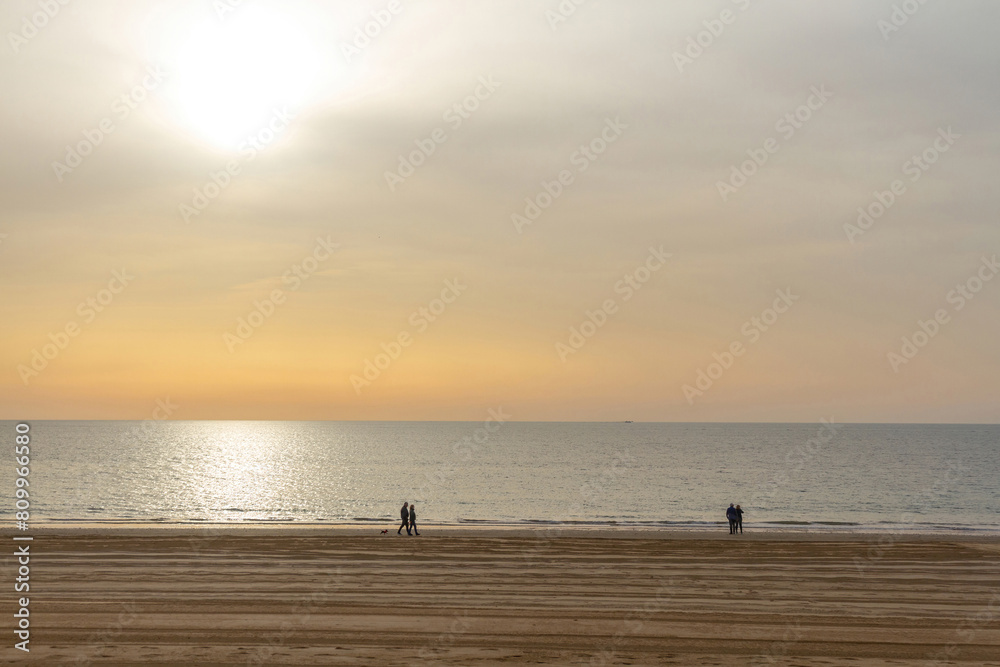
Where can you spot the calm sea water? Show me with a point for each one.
(872, 477)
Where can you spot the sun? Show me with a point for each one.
(231, 75)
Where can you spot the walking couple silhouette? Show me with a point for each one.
(409, 517)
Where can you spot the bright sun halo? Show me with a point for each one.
(231, 75)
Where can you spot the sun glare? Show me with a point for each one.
(232, 75)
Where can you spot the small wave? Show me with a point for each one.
(836, 523)
(878, 527)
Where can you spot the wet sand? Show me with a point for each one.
(316, 596)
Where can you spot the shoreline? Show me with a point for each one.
(521, 531)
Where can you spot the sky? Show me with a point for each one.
(611, 210)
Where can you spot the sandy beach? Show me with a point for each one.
(350, 596)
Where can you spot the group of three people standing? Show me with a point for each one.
(409, 519)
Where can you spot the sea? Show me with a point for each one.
(786, 477)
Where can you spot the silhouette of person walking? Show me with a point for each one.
(739, 519)
(731, 515)
(405, 514)
(413, 519)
